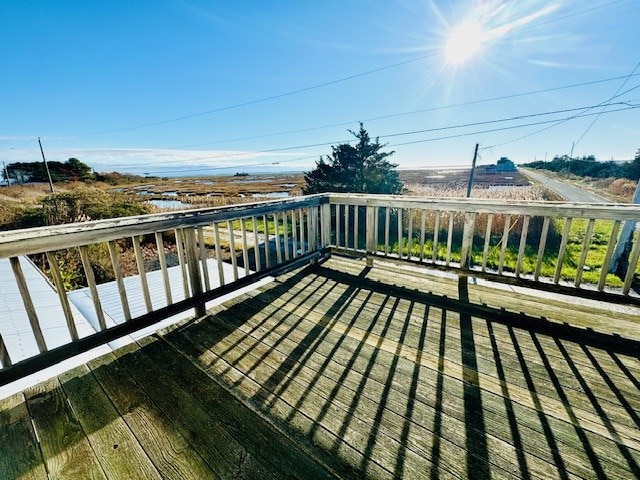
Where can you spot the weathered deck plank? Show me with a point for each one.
(21, 456)
(207, 436)
(169, 451)
(339, 370)
(334, 359)
(118, 451)
(66, 450)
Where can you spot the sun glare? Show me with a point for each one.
(464, 42)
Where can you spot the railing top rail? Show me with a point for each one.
(609, 211)
(56, 237)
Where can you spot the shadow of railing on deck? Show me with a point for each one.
(328, 353)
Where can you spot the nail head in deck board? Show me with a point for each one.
(169, 451)
(205, 433)
(120, 454)
(66, 450)
(21, 456)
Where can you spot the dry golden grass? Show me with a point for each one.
(532, 193)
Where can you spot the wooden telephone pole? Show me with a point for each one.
(46, 167)
(622, 248)
(6, 174)
(473, 169)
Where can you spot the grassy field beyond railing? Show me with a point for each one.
(549, 242)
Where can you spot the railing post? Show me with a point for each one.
(313, 229)
(467, 240)
(325, 218)
(194, 269)
(370, 232)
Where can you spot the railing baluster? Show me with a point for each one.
(313, 216)
(91, 281)
(541, 246)
(505, 241)
(28, 304)
(122, 291)
(182, 260)
(256, 244)
(203, 258)
(62, 294)
(142, 273)
(163, 267)
(5, 359)
(410, 234)
(245, 250)
(376, 225)
(631, 268)
(563, 249)
(436, 230)
(356, 211)
(423, 227)
(487, 242)
(337, 228)
(346, 226)
(303, 247)
(386, 230)
(267, 249)
(449, 238)
(613, 240)
(294, 233)
(285, 233)
(370, 234)
(277, 233)
(523, 244)
(216, 239)
(232, 250)
(400, 233)
(586, 243)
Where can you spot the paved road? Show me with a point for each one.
(566, 190)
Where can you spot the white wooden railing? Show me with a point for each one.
(462, 234)
(262, 239)
(516, 242)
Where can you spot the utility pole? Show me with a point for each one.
(46, 167)
(622, 248)
(6, 174)
(473, 169)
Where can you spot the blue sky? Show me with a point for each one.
(193, 86)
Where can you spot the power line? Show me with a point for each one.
(459, 135)
(333, 82)
(571, 15)
(631, 107)
(259, 100)
(414, 132)
(412, 112)
(561, 121)
(608, 103)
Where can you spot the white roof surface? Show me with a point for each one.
(14, 322)
(20, 341)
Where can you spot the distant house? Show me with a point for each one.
(505, 165)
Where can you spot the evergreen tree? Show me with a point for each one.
(359, 168)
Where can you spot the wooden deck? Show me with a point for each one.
(338, 370)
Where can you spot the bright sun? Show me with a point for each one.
(464, 42)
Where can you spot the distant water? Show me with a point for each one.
(271, 195)
(170, 204)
